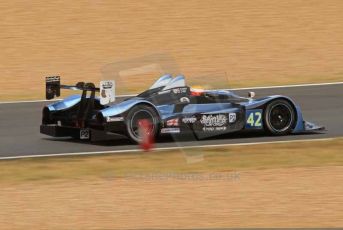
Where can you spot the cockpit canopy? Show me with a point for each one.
(162, 81)
(178, 81)
(168, 82)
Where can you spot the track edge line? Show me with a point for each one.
(162, 149)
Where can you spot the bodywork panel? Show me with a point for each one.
(216, 112)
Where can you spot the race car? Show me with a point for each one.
(171, 107)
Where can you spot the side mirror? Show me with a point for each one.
(251, 94)
(184, 100)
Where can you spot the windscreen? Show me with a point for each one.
(137, 75)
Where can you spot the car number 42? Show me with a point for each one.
(254, 119)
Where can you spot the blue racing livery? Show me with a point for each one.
(170, 106)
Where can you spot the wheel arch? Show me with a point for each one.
(263, 103)
(146, 103)
(125, 106)
(291, 102)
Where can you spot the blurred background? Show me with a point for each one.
(215, 44)
(251, 43)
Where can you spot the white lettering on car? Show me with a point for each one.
(189, 120)
(213, 120)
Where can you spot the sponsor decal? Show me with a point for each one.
(179, 90)
(170, 130)
(189, 120)
(107, 93)
(114, 119)
(173, 122)
(53, 79)
(107, 84)
(213, 120)
(232, 117)
(254, 119)
(184, 100)
(164, 92)
(214, 129)
(84, 134)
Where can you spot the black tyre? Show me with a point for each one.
(279, 117)
(136, 114)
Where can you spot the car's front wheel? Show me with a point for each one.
(138, 114)
(280, 117)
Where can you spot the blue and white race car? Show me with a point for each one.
(171, 107)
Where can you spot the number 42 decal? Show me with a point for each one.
(254, 119)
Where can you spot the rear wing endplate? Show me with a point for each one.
(52, 87)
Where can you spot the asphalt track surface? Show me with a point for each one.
(19, 125)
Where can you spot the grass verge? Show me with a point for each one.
(197, 160)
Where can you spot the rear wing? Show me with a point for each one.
(53, 88)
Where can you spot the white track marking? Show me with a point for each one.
(259, 87)
(163, 149)
(291, 86)
(34, 101)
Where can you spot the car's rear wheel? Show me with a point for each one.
(279, 117)
(137, 114)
